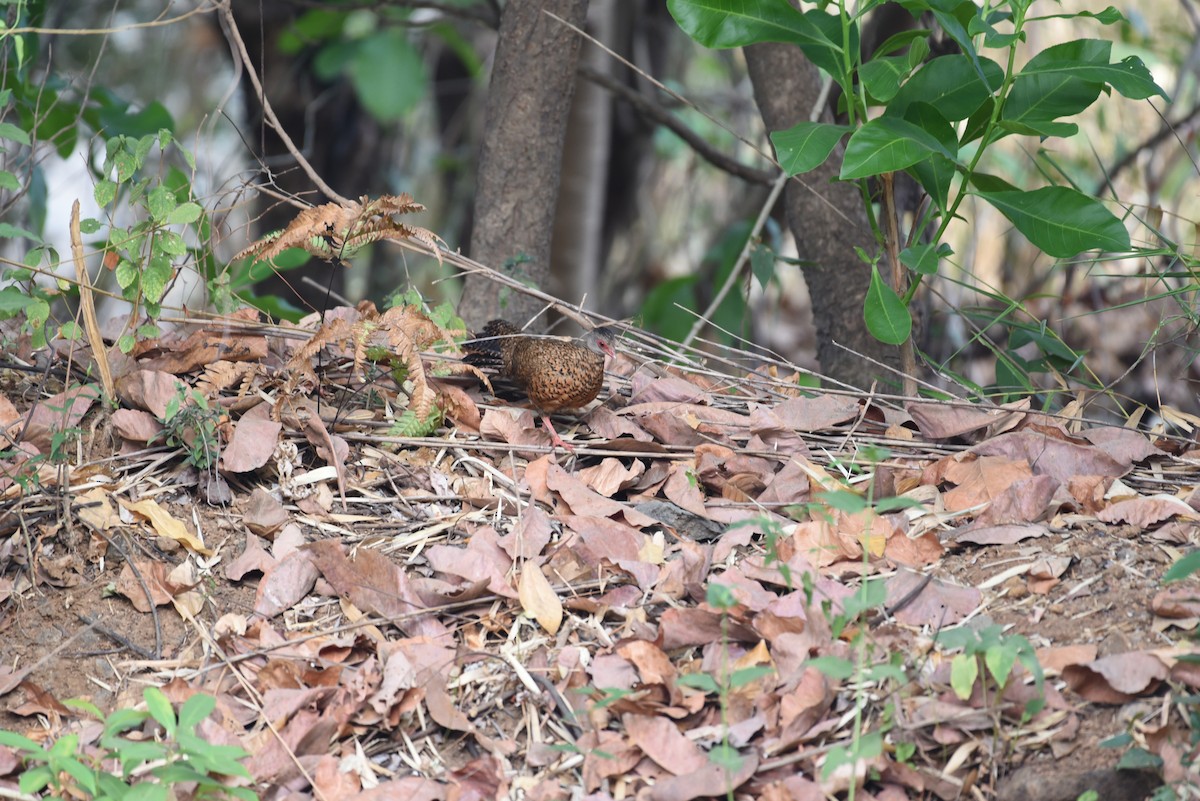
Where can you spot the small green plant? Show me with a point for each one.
(133, 768)
(190, 423)
(989, 652)
(724, 755)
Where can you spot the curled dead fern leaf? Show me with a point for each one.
(335, 232)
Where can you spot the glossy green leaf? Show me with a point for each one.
(924, 259)
(882, 76)
(806, 145)
(1061, 221)
(735, 23)
(886, 316)
(105, 192)
(1051, 85)
(950, 84)
(888, 144)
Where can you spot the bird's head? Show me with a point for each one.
(602, 340)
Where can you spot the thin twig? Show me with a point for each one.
(268, 112)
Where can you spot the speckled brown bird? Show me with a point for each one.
(555, 375)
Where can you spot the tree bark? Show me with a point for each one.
(578, 242)
(520, 163)
(828, 221)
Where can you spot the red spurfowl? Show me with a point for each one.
(554, 374)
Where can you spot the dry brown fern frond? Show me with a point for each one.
(403, 331)
(335, 232)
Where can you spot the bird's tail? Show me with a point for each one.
(486, 349)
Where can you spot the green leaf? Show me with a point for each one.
(1050, 85)
(1062, 222)
(699, 681)
(1183, 567)
(964, 670)
(886, 316)
(749, 675)
(923, 259)
(160, 202)
(126, 274)
(882, 76)
(1000, 661)
(105, 192)
(12, 132)
(843, 500)
(9, 181)
(806, 145)
(388, 74)
(1085, 61)
(19, 742)
(184, 213)
(762, 264)
(10, 231)
(155, 277)
(1139, 759)
(720, 24)
(835, 667)
(888, 144)
(950, 84)
(170, 243)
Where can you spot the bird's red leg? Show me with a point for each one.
(555, 439)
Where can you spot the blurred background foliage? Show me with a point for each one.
(387, 97)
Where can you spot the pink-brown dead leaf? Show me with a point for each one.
(481, 560)
(255, 436)
(203, 347)
(136, 425)
(1145, 512)
(513, 426)
(941, 421)
(612, 476)
(582, 500)
(532, 535)
(58, 414)
(147, 586)
(286, 584)
(375, 584)
(999, 535)
(1023, 501)
(647, 388)
(538, 598)
(939, 604)
(607, 424)
(981, 480)
(706, 782)
(264, 514)
(1116, 679)
(1053, 456)
(1177, 603)
(1054, 659)
(683, 489)
(149, 390)
(661, 740)
(817, 413)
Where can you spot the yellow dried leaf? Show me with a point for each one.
(539, 599)
(165, 525)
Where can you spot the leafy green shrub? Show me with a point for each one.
(134, 769)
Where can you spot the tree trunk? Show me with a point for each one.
(520, 162)
(827, 219)
(579, 228)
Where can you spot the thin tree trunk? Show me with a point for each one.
(533, 79)
(827, 219)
